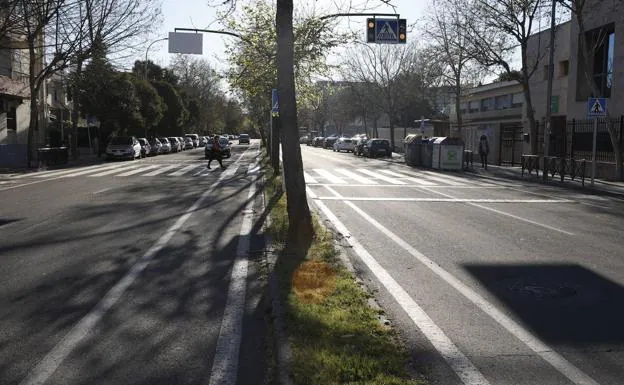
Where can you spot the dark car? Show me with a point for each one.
(328, 143)
(360, 142)
(376, 147)
(318, 141)
(243, 138)
(226, 150)
(156, 146)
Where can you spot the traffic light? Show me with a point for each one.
(402, 31)
(370, 30)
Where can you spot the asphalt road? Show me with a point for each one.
(489, 281)
(141, 272)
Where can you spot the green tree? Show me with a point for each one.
(176, 114)
(152, 106)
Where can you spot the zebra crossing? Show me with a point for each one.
(357, 176)
(365, 177)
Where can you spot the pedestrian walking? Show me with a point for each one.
(216, 152)
(484, 150)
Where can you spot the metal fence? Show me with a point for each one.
(574, 139)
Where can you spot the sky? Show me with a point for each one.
(199, 14)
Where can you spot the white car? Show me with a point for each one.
(344, 144)
(123, 147)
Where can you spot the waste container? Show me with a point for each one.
(50, 156)
(413, 146)
(426, 152)
(448, 153)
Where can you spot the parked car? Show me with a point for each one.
(181, 140)
(166, 145)
(375, 147)
(243, 138)
(146, 148)
(156, 146)
(358, 148)
(318, 141)
(344, 144)
(202, 141)
(123, 147)
(329, 141)
(175, 144)
(226, 149)
(188, 143)
(194, 138)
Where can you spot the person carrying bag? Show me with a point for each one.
(216, 152)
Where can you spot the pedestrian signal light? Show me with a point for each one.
(402, 31)
(370, 30)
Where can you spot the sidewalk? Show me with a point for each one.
(86, 158)
(615, 189)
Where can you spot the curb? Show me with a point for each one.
(282, 345)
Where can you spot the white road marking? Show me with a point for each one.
(355, 176)
(80, 172)
(102, 190)
(47, 174)
(113, 171)
(50, 363)
(183, 170)
(547, 353)
(380, 176)
(329, 176)
(444, 180)
(139, 170)
(447, 176)
(311, 193)
(449, 200)
(161, 170)
(309, 178)
(459, 363)
(505, 214)
(419, 181)
(406, 185)
(225, 364)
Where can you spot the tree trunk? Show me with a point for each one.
(458, 104)
(34, 106)
(263, 136)
(75, 110)
(391, 134)
(300, 230)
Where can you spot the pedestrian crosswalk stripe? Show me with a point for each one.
(204, 171)
(444, 180)
(113, 171)
(447, 176)
(161, 170)
(183, 170)
(47, 174)
(136, 171)
(355, 176)
(379, 176)
(88, 171)
(420, 181)
(329, 176)
(309, 178)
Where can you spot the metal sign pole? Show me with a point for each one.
(593, 169)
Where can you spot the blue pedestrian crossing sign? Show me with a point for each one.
(597, 107)
(386, 31)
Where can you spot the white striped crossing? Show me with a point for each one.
(138, 170)
(183, 170)
(380, 176)
(419, 181)
(329, 176)
(161, 170)
(109, 172)
(309, 178)
(355, 176)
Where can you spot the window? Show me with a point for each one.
(601, 42)
(486, 104)
(517, 100)
(55, 96)
(564, 68)
(12, 119)
(503, 101)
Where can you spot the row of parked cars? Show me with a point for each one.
(359, 145)
(131, 147)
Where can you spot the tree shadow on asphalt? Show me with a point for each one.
(164, 329)
(566, 305)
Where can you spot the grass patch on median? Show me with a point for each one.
(336, 337)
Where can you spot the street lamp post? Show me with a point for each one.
(147, 52)
(549, 91)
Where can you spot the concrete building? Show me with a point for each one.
(494, 110)
(59, 107)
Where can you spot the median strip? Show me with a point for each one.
(336, 337)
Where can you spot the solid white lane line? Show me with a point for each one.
(161, 170)
(225, 365)
(406, 185)
(420, 181)
(544, 351)
(183, 170)
(459, 363)
(50, 363)
(139, 170)
(102, 190)
(355, 176)
(444, 180)
(505, 214)
(380, 176)
(447, 176)
(450, 200)
(309, 178)
(329, 176)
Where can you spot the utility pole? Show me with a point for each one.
(551, 72)
(146, 52)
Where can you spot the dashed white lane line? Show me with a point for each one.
(544, 351)
(50, 363)
(225, 364)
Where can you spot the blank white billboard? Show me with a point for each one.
(187, 43)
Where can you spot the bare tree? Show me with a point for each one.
(382, 67)
(447, 31)
(496, 28)
(590, 44)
